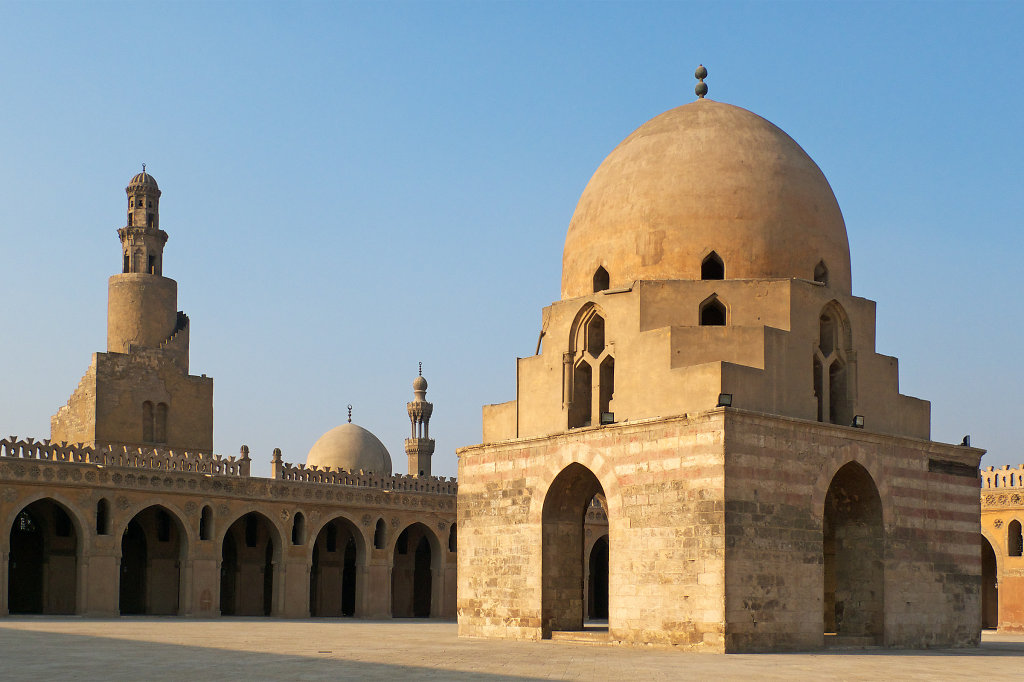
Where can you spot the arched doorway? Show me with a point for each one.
(334, 581)
(989, 586)
(247, 567)
(597, 580)
(42, 572)
(562, 553)
(152, 551)
(413, 573)
(854, 557)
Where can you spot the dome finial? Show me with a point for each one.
(350, 413)
(421, 369)
(702, 88)
(143, 168)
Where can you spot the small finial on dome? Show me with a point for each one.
(350, 413)
(421, 369)
(702, 88)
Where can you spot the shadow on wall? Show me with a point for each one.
(28, 655)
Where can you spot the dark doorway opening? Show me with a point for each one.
(989, 586)
(597, 580)
(334, 579)
(412, 573)
(563, 562)
(247, 567)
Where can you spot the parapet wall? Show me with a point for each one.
(218, 465)
(1003, 477)
(139, 458)
(286, 471)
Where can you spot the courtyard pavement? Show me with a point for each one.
(50, 648)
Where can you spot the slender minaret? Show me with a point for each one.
(420, 446)
(142, 304)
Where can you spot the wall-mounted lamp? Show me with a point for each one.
(858, 421)
(724, 400)
(607, 417)
(966, 442)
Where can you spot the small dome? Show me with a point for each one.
(143, 179)
(419, 384)
(351, 448)
(705, 177)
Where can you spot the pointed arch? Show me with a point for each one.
(712, 312)
(1014, 539)
(562, 547)
(853, 550)
(834, 367)
(251, 551)
(154, 547)
(338, 560)
(821, 273)
(45, 551)
(417, 573)
(588, 369)
(601, 279)
(712, 267)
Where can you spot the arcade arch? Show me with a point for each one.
(250, 552)
(337, 567)
(416, 573)
(154, 545)
(42, 569)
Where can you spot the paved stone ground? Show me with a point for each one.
(47, 648)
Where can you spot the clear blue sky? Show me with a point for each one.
(351, 188)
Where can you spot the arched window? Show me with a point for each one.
(380, 534)
(712, 312)
(147, 422)
(600, 280)
(833, 367)
(149, 220)
(712, 267)
(160, 424)
(588, 371)
(298, 528)
(129, 220)
(102, 517)
(1014, 540)
(206, 523)
(821, 273)
(452, 539)
(127, 258)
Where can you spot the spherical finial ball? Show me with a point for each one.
(701, 73)
(701, 89)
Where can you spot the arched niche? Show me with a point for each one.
(853, 550)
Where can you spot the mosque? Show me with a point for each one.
(706, 451)
(138, 516)
(710, 380)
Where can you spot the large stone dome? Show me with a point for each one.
(705, 177)
(351, 448)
